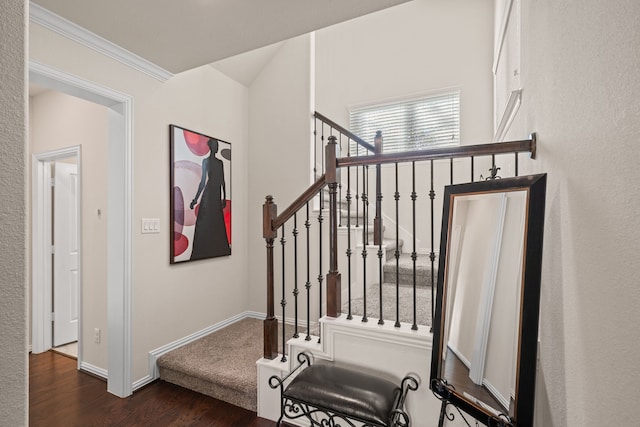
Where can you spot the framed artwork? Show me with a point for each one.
(200, 196)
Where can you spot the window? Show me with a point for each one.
(416, 124)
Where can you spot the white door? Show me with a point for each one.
(66, 276)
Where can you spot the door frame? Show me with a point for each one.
(119, 218)
(42, 226)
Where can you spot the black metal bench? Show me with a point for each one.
(326, 393)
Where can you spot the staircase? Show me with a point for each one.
(404, 278)
(398, 341)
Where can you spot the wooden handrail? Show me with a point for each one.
(346, 132)
(298, 203)
(527, 145)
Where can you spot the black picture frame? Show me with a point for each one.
(200, 196)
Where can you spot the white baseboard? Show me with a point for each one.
(92, 369)
(154, 374)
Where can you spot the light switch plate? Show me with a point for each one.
(150, 225)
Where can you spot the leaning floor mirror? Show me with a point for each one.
(488, 298)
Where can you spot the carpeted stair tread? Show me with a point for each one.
(405, 264)
(221, 364)
(423, 304)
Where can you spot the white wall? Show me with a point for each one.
(581, 94)
(280, 131)
(13, 120)
(57, 121)
(417, 48)
(169, 302)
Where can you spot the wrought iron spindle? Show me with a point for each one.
(397, 252)
(451, 170)
(516, 163)
(283, 302)
(315, 149)
(320, 275)
(432, 254)
(348, 197)
(357, 189)
(379, 228)
(307, 285)
(322, 146)
(472, 179)
(295, 272)
(365, 242)
(340, 190)
(414, 255)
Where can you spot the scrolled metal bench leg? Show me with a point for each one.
(275, 382)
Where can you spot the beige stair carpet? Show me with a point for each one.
(221, 364)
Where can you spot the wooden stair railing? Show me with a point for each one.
(272, 221)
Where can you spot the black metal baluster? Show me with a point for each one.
(397, 252)
(414, 255)
(357, 189)
(340, 190)
(365, 242)
(322, 145)
(295, 273)
(378, 205)
(348, 197)
(315, 149)
(307, 285)
(283, 302)
(451, 170)
(432, 254)
(320, 275)
(472, 159)
(516, 162)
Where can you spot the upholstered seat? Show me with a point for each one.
(355, 394)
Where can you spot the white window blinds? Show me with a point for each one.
(417, 124)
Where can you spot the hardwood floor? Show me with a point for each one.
(60, 395)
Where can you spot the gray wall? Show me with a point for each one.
(581, 94)
(13, 337)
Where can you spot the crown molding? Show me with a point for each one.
(66, 28)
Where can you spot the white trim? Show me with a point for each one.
(66, 28)
(483, 322)
(502, 35)
(92, 369)
(509, 114)
(41, 255)
(496, 394)
(154, 355)
(372, 331)
(119, 202)
(41, 207)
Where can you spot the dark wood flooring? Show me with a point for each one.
(60, 395)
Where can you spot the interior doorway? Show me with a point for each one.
(56, 208)
(119, 225)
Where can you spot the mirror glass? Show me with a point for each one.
(490, 252)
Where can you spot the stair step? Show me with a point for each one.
(423, 304)
(221, 364)
(405, 264)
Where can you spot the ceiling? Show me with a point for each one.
(179, 35)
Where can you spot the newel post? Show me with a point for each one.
(269, 213)
(377, 221)
(334, 291)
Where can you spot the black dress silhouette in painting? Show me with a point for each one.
(210, 235)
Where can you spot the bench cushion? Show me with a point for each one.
(352, 393)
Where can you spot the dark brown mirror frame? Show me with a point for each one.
(521, 413)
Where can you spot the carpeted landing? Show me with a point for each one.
(221, 365)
